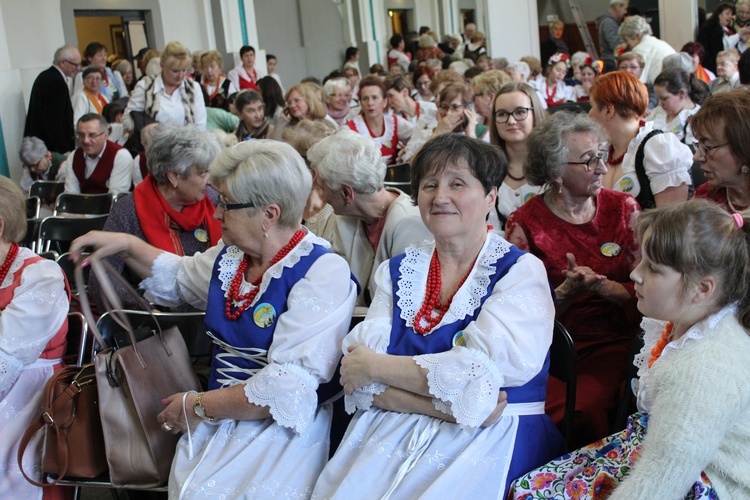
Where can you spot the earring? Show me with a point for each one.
(745, 169)
(265, 234)
(559, 190)
(174, 185)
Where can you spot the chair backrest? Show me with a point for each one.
(51, 255)
(32, 234)
(191, 325)
(33, 207)
(75, 353)
(63, 230)
(399, 177)
(68, 267)
(47, 191)
(627, 403)
(91, 204)
(562, 366)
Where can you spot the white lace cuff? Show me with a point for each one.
(289, 392)
(361, 399)
(161, 287)
(10, 367)
(466, 381)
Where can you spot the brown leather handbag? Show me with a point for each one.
(71, 417)
(132, 381)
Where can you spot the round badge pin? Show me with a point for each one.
(626, 184)
(264, 315)
(610, 249)
(527, 197)
(458, 339)
(201, 235)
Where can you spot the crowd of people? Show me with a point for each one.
(607, 196)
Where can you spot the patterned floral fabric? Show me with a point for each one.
(595, 470)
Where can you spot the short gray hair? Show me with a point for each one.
(547, 145)
(32, 150)
(335, 84)
(348, 158)
(63, 53)
(634, 27)
(177, 149)
(521, 68)
(265, 172)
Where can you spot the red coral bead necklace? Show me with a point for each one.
(5, 268)
(661, 344)
(427, 313)
(234, 287)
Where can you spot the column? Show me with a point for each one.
(512, 29)
(683, 21)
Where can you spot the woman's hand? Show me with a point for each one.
(502, 402)
(471, 123)
(174, 416)
(578, 279)
(449, 122)
(105, 244)
(356, 368)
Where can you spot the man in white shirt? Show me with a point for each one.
(98, 166)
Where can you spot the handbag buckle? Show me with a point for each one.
(48, 418)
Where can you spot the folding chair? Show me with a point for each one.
(562, 366)
(399, 177)
(51, 255)
(68, 267)
(90, 204)
(47, 191)
(63, 230)
(32, 234)
(78, 329)
(627, 404)
(33, 207)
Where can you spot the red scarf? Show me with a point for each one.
(159, 222)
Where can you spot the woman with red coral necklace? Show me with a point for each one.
(652, 166)
(34, 304)
(458, 328)
(278, 304)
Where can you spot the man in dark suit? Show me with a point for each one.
(50, 115)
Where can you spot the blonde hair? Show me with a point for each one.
(310, 93)
(175, 52)
(12, 211)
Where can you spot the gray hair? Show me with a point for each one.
(554, 23)
(265, 172)
(335, 84)
(177, 149)
(426, 40)
(63, 53)
(521, 68)
(348, 158)
(634, 27)
(122, 66)
(680, 60)
(614, 3)
(547, 145)
(32, 150)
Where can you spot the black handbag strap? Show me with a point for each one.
(645, 197)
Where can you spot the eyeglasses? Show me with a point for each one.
(75, 64)
(592, 162)
(519, 115)
(452, 107)
(91, 137)
(348, 96)
(224, 206)
(707, 149)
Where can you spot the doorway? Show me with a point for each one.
(123, 32)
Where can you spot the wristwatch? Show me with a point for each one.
(199, 409)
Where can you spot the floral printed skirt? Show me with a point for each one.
(595, 470)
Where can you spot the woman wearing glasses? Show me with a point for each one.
(278, 305)
(172, 209)
(584, 235)
(388, 132)
(721, 127)
(652, 166)
(516, 111)
(303, 101)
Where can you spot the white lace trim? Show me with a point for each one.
(160, 286)
(465, 381)
(361, 398)
(386, 139)
(289, 392)
(231, 259)
(652, 330)
(412, 282)
(10, 368)
(23, 254)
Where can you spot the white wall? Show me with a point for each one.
(514, 28)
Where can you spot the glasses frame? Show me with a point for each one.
(226, 207)
(448, 108)
(707, 149)
(77, 65)
(603, 156)
(92, 137)
(513, 114)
